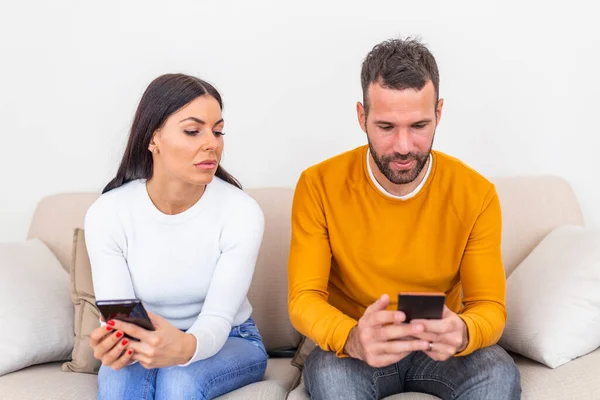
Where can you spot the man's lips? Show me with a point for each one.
(403, 164)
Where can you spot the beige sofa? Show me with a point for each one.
(532, 206)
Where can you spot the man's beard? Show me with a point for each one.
(404, 176)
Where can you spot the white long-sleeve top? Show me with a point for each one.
(193, 268)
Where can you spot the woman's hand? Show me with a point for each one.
(110, 347)
(164, 347)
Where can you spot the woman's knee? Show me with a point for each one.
(132, 382)
(180, 383)
(202, 380)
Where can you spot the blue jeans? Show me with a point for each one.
(241, 361)
(488, 373)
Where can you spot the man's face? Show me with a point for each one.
(400, 128)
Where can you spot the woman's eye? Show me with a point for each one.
(218, 133)
(191, 133)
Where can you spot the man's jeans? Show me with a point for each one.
(241, 361)
(489, 373)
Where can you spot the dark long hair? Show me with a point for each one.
(163, 97)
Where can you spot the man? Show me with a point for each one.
(391, 217)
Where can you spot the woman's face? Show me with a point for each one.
(189, 145)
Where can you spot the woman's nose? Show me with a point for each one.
(210, 142)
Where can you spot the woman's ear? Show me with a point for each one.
(153, 146)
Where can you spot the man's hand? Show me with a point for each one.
(164, 347)
(381, 337)
(447, 335)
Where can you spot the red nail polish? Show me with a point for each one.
(124, 342)
(119, 334)
(130, 352)
(111, 322)
(108, 328)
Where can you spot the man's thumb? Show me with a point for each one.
(379, 304)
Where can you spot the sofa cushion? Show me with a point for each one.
(305, 347)
(48, 382)
(300, 393)
(36, 309)
(279, 379)
(86, 313)
(268, 291)
(577, 379)
(54, 220)
(553, 298)
(531, 207)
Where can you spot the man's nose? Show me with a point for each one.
(403, 142)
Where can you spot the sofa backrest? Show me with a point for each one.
(531, 207)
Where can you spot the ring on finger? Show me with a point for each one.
(430, 346)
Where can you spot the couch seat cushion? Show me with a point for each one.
(300, 394)
(48, 382)
(577, 379)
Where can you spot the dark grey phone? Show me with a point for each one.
(128, 310)
(421, 305)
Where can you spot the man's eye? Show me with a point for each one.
(420, 126)
(386, 127)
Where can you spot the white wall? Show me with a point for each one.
(520, 83)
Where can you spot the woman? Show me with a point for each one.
(174, 230)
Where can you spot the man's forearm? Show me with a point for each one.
(315, 318)
(465, 336)
(351, 347)
(485, 323)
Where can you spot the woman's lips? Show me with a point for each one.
(206, 164)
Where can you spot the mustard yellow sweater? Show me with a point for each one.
(351, 244)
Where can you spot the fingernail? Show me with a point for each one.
(124, 342)
(111, 322)
(119, 334)
(108, 328)
(130, 352)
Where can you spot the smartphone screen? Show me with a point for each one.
(125, 310)
(421, 305)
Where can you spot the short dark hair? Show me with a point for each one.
(399, 64)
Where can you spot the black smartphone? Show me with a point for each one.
(128, 310)
(421, 305)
